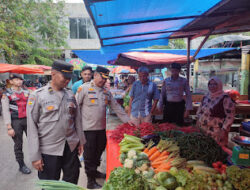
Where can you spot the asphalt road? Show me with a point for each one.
(12, 179)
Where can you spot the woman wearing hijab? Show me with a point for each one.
(216, 112)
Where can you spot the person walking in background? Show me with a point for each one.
(55, 135)
(93, 99)
(142, 93)
(126, 97)
(172, 97)
(216, 112)
(86, 75)
(14, 102)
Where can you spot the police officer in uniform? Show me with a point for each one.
(55, 135)
(172, 97)
(14, 102)
(93, 99)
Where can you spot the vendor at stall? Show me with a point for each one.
(142, 93)
(172, 97)
(216, 112)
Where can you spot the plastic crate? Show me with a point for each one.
(241, 156)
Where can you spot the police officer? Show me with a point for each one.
(55, 135)
(92, 99)
(14, 102)
(172, 97)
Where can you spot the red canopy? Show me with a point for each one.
(151, 59)
(9, 68)
(120, 69)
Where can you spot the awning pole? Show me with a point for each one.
(188, 58)
(202, 43)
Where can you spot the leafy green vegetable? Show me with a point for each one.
(198, 146)
(181, 176)
(170, 183)
(126, 179)
(240, 178)
(53, 185)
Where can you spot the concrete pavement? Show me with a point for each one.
(12, 179)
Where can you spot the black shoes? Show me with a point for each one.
(100, 175)
(25, 170)
(92, 184)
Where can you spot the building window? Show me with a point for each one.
(82, 28)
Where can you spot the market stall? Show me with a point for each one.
(168, 157)
(9, 68)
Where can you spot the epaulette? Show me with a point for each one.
(39, 89)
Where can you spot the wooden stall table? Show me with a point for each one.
(112, 152)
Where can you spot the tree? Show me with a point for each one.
(32, 31)
(172, 44)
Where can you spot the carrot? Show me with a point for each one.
(165, 165)
(156, 165)
(151, 151)
(164, 153)
(161, 170)
(160, 160)
(155, 155)
(145, 150)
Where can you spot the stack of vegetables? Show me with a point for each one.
(164, 156)
(57, 185)
(175, 160)
(198, 146)
(146, 129)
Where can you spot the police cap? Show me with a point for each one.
(104, 72)
(65, 68)
(15, 76)
(175, 66)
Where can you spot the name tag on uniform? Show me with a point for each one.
(92, 96)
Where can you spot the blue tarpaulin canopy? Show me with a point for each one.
(127, 24)
(97, 57)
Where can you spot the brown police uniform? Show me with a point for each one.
(55, 130)
(93, 101)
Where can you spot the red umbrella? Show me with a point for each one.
(9, 68)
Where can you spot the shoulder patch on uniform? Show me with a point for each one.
(79, 89)
(4, 96)
(49, 108)
(31, 101)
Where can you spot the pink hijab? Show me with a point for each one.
(219, 91)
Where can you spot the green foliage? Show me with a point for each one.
(172, 44)
(32, 31)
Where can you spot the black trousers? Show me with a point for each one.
(69, 163)
(19, 126)
(174, 112)
(93, 149)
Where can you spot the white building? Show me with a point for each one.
(82, 34)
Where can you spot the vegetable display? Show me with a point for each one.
(130, 142)
(166, 157)
(240, 178)
(56, 185)
(198, 146)
(126, 179)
